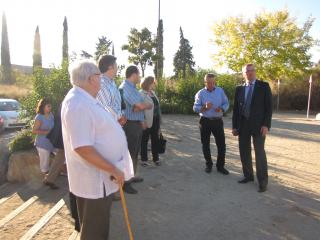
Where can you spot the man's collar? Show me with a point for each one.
(106, 78)
(252, 83)
(130, 83)
(209, 90)
(85, 94)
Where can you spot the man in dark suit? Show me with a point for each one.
(252, 113)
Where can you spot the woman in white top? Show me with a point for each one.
(152, 121)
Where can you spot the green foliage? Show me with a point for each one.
(53, 86)
(272, 41)
(141, 46)
(85, 54)
(177, 96)
(6, 72)
(102, 47)
(158, 68)
(23, 141)
(294, 92)
(183, 59)
(37, 58)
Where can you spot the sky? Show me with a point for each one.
(88, 20)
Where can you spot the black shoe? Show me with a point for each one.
(262, 189)
(129, 189)
(157, 163)
(223, 171)
(136, 179)
(208, 169)
(50, 185)
(246, 180)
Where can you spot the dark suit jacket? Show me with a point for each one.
(261, 107)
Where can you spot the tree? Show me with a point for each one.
(6, 71)
(85, 54)
(102, 47)
(113, 54)
(272, 41)
(141, 46)
(37, 58)
(65, 47)
(183, 59)
(158, 69)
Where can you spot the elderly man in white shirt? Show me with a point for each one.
(97, 155)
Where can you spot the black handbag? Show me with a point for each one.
(162, 144)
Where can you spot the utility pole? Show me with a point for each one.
(158, 35)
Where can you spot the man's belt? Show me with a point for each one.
(213, 118)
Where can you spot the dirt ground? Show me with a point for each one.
(178, 200)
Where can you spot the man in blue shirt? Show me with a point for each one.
(134, 113)
(211, 102)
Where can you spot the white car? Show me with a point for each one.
(10, 111)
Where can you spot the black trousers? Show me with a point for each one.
(74, 211)
(260, 154)
(214, 127)
(152, 132)
(133, 131)
(94, 216)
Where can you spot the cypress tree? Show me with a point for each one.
(183, 59)
(6, 71)
(158, 70)
(37, 58)
(65, 47)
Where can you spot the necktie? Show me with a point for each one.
(247, 105)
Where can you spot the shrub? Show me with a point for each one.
(53, 86)
(24, 140)
(177, 95)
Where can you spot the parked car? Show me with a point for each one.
(10, 111)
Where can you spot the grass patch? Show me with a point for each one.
(14, 91)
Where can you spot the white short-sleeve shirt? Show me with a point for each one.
(86, 123)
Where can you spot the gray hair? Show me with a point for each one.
(80, 72)
(244, 68)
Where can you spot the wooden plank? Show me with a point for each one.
(2, 200)
(15, 212)
(44, 220)
(74, 235)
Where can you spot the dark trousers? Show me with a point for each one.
(214, 127)
(260, 154)
(133, 130)
(74, 211)
(154, 133)
(94, 216)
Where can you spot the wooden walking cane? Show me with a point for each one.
(125, 211)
